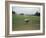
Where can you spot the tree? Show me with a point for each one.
(21, 13)
(37, 14)
(13, 12)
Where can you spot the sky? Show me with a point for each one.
(25, 10)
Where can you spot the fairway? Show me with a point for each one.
(19, 24)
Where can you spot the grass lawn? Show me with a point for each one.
(19, 24)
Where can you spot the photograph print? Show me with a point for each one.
(25, 18)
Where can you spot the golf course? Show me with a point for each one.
(18, 22)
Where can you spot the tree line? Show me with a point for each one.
(36, 14)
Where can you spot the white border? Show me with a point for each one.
(27, 31)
